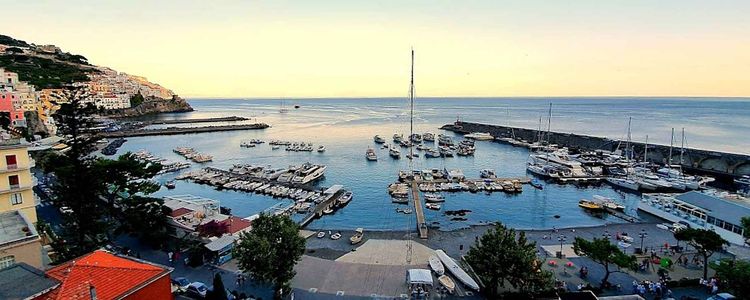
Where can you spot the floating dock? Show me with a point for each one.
(419, 211)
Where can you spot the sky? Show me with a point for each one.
(271, 49)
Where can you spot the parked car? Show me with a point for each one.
(180, 283)
(197, 289)
(722, 296)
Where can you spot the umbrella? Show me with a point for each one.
(623, 244)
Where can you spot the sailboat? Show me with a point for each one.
(282, 108)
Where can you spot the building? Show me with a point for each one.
(8, 78)
(22, 281)
(16, 181)
(102, 275)
(700, 210)
(10, 102)
(19, 241)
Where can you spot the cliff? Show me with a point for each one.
(153, 105)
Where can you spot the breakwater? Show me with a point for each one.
(181, 130)
(198, 120)
(721, 164)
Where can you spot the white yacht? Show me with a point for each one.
(479, 136)
(321, 148)
(378, 139)
(397, 138)
(394, 152)
(487, 173)
(370, 154)
(624, 183)
(308, 173)
(428, 137)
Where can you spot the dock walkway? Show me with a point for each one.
(197, 120)
(419, 211)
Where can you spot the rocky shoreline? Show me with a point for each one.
(154, 106)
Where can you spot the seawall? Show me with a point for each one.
(721, 164)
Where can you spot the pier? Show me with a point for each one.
(317, 212)
(197, 120)
(722, 165)
(419, 211)
(184, 130)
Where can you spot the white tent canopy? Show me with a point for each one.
(419, 276)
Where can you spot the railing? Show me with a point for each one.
(13, 168)
(15, 187)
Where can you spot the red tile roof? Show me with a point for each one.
(112, 276)
(236, 224)
(180, 212)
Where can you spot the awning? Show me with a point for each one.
(220, 243)
(419, 276)
(333, 189)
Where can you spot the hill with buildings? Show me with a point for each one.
(32, 78)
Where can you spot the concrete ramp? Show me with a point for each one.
(388, 252)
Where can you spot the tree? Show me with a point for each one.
(705, 242)
(146, 219)
(136, 99)
(218, 292)
(502, 256)
(746, 228)
(76, 183)
(270, 251)
(734, 275)
(602, 252)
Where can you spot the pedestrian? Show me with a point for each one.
(169, 255)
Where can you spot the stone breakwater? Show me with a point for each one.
(723, 165)
(182, 130)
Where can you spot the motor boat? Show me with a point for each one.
(397, 138)
(447, 283)
(436, 265)
(336, 236)
(345, 198)
(428, 137)
(445, 152)
(433, 206)
(624, 183)
(479, 136)
(170, 184)
(433, 197)
(487, 173)
(416, 137)
(357, 237)
(370, 155)
(431, 153)
(456, 270)
(609, 203)
(394, 152)
(321, 148)
(321, 234)
(378, 139)
(308, 173)
(590, 205)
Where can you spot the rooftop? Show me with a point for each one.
(21, 281)
(111, 275)
(14, 227)
(719, 208)
(236, 224)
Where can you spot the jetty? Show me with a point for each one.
(333, 193)
(419, 210)
(181, 130)
(197, 120)
(722, 165)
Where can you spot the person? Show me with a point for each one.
(169, 255)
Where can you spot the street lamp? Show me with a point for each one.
(643, 235)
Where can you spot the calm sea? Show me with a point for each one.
(346, 128)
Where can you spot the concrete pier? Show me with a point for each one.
(197, 120)
(419, 211)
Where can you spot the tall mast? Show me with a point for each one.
(628, 153)
(645, 151)
(411, 115)
(682, 147)
(671, 144)
(549, 122)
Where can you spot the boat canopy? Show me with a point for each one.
(333, 189)
(419, 276)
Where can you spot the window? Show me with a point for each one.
(13, 181)
(11, 161)
(16, 199)
(7, 261)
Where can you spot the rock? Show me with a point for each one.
(153, 106)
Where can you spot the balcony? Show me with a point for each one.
(14, 188)
(13, 168)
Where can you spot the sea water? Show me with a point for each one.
(346, 128)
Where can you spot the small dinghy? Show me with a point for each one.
(321, 234)
(447, 283)
(436, 265)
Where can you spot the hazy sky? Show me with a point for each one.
(361, 48)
